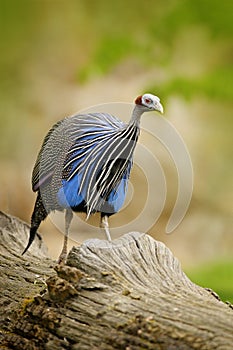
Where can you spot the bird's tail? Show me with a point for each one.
(38, 215)
(33, 231)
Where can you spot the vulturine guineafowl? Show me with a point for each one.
(84, 166)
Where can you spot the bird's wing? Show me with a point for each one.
(112, 170)
(98, 163)
(44, 166)
(61, 141)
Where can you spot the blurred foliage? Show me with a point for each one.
(215, 85)
(150, 39)
(188, 42)
(217, 276)
(106, 32)
(111, 51)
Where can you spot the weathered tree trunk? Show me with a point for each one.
(127, 294)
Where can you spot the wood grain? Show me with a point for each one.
(127, 294)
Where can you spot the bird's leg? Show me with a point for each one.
(68, 218)
(104, 224)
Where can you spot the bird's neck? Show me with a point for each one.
(136, 116)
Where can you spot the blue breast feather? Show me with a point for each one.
(69, 195)
(76, 188)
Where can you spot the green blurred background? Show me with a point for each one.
(59, 56)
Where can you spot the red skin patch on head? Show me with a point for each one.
(138, 100)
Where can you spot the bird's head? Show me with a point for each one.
(149, 102)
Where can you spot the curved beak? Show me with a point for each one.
(159, 107)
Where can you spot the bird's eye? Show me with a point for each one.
(148, 100)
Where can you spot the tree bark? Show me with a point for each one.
(126, 294)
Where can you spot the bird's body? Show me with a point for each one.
(84, 166)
